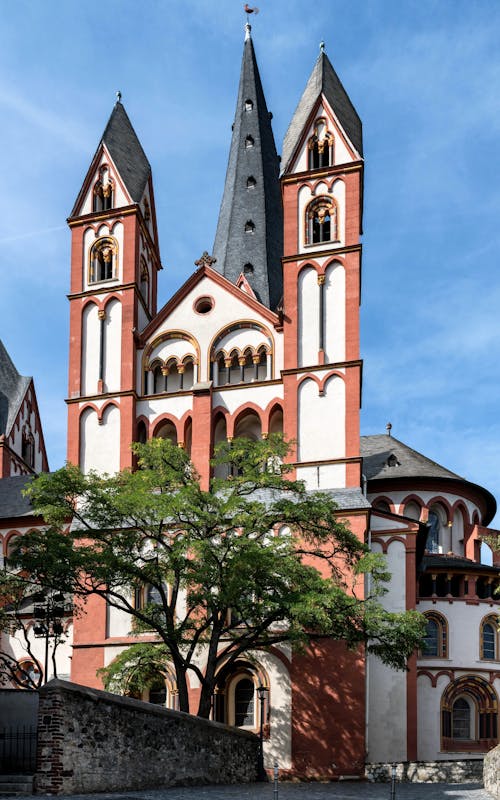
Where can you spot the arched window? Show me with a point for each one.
(157, 692)
(382, 505)
(461, 719)
(435, 644)
(187, 377)
(222, 371)
(249, 226)
(103, 260)
(412, 510)
(103, 195)
(244, 703)
(236, 699)
(144, 285)
(167, 430)
(321, 221)
(469, 708)
(489, 638)
(158, 379)
(249, 142)
(251, 182)
(28, 448)
(141, 432)
(437, 524)
(320, 146)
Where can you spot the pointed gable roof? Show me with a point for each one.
(323, 81)
(252, 156)
(13, 387)
(126, 151)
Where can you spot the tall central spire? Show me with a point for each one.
(249, 236)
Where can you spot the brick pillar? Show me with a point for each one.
(49, 757)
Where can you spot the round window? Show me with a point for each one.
(203, 305)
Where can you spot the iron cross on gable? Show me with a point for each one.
(205, 260)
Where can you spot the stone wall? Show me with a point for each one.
(465, 771)
(93, 741)
(491, 772)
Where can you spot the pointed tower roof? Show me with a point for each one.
(323, 80)
(126, 151)
(13, 387)
(249, 235)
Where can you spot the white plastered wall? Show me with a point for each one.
(90, 349)
(387, 716)
(112, 346)
(227, 309)
(16, 646)
(334, 313)
(308, 304)
(100, 443)
(321, 419)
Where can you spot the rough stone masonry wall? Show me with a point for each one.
(468, 770)
(93, 741)
(491, 772)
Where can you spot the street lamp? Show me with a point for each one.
(48, 611)
(262, 692)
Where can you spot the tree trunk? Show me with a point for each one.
(182, 689)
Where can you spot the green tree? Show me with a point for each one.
(254, 561)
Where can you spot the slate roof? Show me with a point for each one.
(12, 501)
(260, 205)
(13, 387)
(377, 449)
(126, 151)
(346, 499)
(323, 80)
(454, 562)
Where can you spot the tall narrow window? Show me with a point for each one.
(103, 260)
(321, 221)
(461, 719)
(320, 146)
(489, 639)
(435, 643)
(103, 196)
(244, 704)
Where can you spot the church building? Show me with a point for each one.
(263, 337)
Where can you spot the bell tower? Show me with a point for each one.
(114, 264)
(321, 182)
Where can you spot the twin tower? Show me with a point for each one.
(264, 335)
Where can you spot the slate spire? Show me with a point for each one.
(126, 151)
(322, 81)
(249, 237)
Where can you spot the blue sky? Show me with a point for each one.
(424, 77)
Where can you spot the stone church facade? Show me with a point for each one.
(262, 338)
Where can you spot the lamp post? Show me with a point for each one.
(48, 611)
(262, 692)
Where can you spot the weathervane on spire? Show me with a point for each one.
(118, 96)
(322, 47)
(249, 10)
